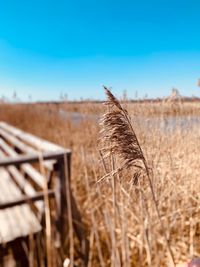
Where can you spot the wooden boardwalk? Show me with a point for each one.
(31, 171)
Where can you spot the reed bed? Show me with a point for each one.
(113, 191)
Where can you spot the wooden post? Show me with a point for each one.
(19, 253)
(68, 206)
(64, 177)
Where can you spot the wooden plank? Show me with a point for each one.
(20, 159)
(27, 168)
(16, 221)
(8, 189)
(23, 184)
(24, 199)
(23, 147)
(16, 143)
(30, 139)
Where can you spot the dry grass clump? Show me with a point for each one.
(123, 225)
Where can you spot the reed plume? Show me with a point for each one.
(119, 138)
(117, 135)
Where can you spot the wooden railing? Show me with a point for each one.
(33, 169)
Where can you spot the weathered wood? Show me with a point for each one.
(27, 168)
(25, 199)
(18, 150)
(25, 186)
(30, 139)
(19, 253)
(20, 159)
(22, 183)
(66, 198)
(62, 198)
(17, 221)
(17, 144)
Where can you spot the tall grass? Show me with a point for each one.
(122, 222)
(119, 138)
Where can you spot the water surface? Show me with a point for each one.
(166, 124)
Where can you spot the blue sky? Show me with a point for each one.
(74, 47)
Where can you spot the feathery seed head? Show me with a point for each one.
(112, 100)
(117, 135)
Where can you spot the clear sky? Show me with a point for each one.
(49, 47)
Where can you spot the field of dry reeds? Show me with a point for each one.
(138, 192)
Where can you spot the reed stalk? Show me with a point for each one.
(118, 137)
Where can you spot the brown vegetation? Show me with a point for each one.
(123, 226)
